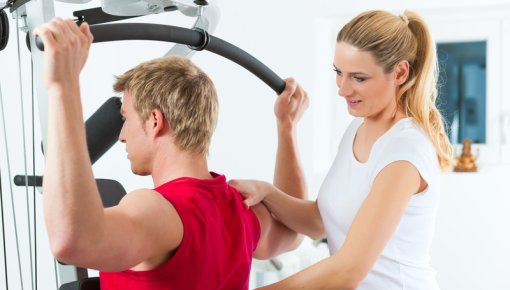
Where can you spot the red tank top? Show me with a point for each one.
(216, 251)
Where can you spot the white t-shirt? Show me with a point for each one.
(404, 262)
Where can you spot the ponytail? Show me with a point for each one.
(418, 96)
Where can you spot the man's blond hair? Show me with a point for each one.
(182, 92)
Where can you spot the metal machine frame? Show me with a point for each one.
(36, 12)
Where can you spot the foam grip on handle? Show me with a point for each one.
(103, 128)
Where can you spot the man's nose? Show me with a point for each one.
(122, 139)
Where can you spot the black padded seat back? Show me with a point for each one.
(111, 191)
(83, 284)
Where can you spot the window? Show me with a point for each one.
(470, 54)
(462, 89)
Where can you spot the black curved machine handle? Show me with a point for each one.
(196, 39)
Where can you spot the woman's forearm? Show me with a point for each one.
(289, 175)
(290, 179)
(297, 214)
(327, 274)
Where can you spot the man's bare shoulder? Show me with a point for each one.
(143, 195)
(147, 203)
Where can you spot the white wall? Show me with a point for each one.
(470, 250)
(283, 35)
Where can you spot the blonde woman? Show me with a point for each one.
(377, 205)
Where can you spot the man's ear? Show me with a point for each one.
(157, 122)
(401, 72)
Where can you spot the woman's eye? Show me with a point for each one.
(359, 79)
(337, 72)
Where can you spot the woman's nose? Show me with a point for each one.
(344, 88)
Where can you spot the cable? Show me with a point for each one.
(2, 204)
(33, 172)
(22, 107)
(12, 195)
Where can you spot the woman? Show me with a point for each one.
(378, 203)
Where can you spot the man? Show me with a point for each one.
(192, 230)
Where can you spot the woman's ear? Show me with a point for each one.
(401, 72)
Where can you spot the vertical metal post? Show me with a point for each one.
(40, 12)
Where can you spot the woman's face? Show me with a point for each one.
(369, 92)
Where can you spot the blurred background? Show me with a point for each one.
(294, 38)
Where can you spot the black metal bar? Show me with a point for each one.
(28, 180)
(97, 16)
(111, 191)
(169, 33)
(247, 61)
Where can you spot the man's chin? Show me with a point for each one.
(140, 172)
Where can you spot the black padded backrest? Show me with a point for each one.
(103, 128)
(83, 284)
(111, 191)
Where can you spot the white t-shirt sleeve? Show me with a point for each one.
(407, 145)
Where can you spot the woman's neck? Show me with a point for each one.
(374, 127)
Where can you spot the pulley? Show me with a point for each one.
(4, 29)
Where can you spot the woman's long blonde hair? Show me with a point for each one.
(391, 39)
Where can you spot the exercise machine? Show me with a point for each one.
(103, 127)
